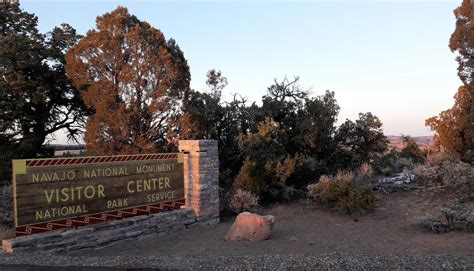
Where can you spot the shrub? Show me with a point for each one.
(457, 218)
(438, 157)
(365, 170)
(427, 222)
(282, 169)
(412, 151)
(403, 164)
(242, 200)
(340, 193)
(457, 173)
(385, 164)
(442, 169)
(363, 175)
(247, 179)
(266, 163)
(315, 189)
(465, 221)
(426, 174)
(6, 233)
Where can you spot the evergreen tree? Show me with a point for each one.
(134, 79)
(455, 127)
(452, 126)
(362, 140)
(36, 97)
(411, 150)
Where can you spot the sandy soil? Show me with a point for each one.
(308, 230)
(304, 237)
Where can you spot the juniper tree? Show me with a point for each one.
(134, 79)
(36, 97)
(360, 141)
(455, 127)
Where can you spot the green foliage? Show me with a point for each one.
(271, 150)
(385, 164)
(216, 82)
(315, 126)
(362, 140)
(266, 162)
(36, 97)
(395, 161)
(340, 193)
(249, 178)
(268, 143)
(282, 144)
(293, 142)
(208, 117)
(412, 151)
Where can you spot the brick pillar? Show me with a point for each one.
(201, 178)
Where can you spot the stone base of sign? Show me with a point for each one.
(201, 179)
(104, 234)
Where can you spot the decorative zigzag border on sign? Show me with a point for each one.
(97, 159)
(100, 217)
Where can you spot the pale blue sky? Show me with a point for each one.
(387, 57)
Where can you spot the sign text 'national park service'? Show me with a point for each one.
(55, 193)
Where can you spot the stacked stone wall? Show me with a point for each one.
(201, 163)
(104, 234)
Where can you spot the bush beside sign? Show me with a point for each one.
(65, 192)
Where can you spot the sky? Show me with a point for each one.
(390, 58)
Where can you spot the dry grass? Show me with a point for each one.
(365, 170)
(6, 233)
(242, 200)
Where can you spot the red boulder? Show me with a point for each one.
(252, 227)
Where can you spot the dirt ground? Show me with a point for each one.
(303, 229)
(304, 237)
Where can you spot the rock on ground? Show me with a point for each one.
(252, 227)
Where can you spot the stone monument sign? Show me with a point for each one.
(56, 193)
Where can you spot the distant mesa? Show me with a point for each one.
(67, 150)
(396, 142)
